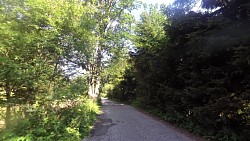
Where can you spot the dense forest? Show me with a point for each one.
(187, 62)
(191, 67)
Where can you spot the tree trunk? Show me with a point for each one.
(94, 75)
(8, 106)
(94, 87)
(91, 92)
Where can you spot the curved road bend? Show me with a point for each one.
(121, 122)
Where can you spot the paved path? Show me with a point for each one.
(121, 122)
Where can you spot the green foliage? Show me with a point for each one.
(124, 90)
(51, 123)
(149, 31)
(57, 119)
(38, 38)
(65, 90)
(41, 42)
(196, 75)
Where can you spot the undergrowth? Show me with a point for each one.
(53, 121)
(191, 125)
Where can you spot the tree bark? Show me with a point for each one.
(94, 74)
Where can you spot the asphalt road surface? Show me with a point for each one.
(121, 122)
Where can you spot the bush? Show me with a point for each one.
(68, 120)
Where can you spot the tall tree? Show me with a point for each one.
(36, 37)
(199, 79)
(113, 20)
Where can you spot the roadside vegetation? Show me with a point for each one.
(192, 67)
(57, 57)
(51, 58)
